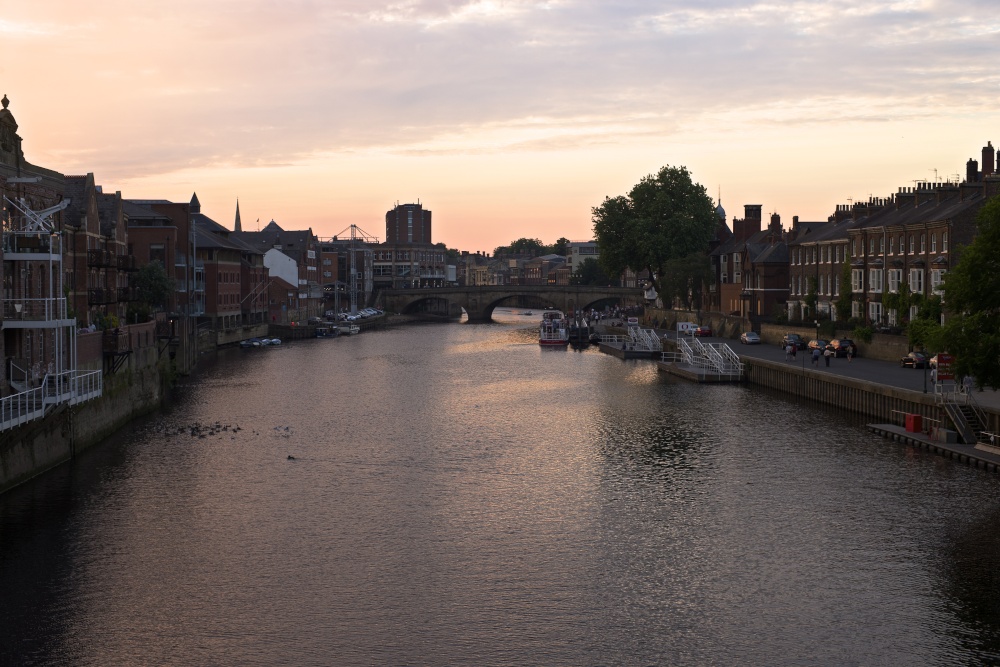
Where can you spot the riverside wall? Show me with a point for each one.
(135, 389)
(877, 401)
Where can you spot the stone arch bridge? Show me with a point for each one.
(479, 302)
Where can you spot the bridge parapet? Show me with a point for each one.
(479, 302)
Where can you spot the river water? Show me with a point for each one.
(458, 496)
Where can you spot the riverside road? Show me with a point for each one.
(860, 368)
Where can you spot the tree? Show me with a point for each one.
(666, 217)
(812, 296)
(843, 303)
(522, 246)
(972, 293)
(560, 247)
(684, 279)
(153, 289)
(589, 272)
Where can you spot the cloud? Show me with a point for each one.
(161, 88)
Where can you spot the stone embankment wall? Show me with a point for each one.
(878, 401)
(136, 389)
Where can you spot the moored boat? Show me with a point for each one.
(553, 332)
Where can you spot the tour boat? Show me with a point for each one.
(553, 331)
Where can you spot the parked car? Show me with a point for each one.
(914, 360)
(750, 338)
(841, 345)
(703, 330)
(818, 344)
(793, 339)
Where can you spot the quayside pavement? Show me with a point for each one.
(887, 374)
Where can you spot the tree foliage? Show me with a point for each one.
(589, 272)
(843, 302)
(153, 288)
(665, 218)
(972, 294)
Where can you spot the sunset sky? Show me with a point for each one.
(506, 118)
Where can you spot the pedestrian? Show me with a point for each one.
(967, 384)
(815, 359)
(850, 352)
(789, 352)
(827, 353)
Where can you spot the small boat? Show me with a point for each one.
(353, 329)
(527, 312)
(250, 342)
(553, 332)
(327, 332)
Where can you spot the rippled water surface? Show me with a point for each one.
(459, 496)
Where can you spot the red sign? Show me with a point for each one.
(945, 367)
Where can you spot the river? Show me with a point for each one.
(457, 496)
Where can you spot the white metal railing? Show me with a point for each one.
(34, 310)
(645, 339)
(71, 387)
(717, 357)
(21, 408)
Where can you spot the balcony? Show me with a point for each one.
(101, 258)
(15, 243)
(100, 296)
(34, 310)
(126, 263)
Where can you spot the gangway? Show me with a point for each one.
(707, 358)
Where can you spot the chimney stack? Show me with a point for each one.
(989, 159)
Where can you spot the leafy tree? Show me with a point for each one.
(522, 246)
(843, 302)
(684, 279)
(590, 273)
(153, 289)
(812, 295)
(560, 247)
(972, 293)
(664, 218)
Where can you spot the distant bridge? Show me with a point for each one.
(479, 302)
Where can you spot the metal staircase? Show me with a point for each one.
(715, 358)
(964, 412)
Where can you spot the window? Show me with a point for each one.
(875, 280)
(881, 245)
(854, 248)
(875, 312)
(855, 309)
(892, 317)
(857, 279)
(923, 243)
(944, 242)
(895, 277)
(836, 288)
(902, 244)
(829, 284)
(917, 281)
(914, 310)
(819, 286)
(892, 245)
(725, 277)
(937, 281)
(912, 243)
(871, 246)
(933, 242)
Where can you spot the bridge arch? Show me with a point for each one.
(480, 302)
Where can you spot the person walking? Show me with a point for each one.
(850, 352)
(789, 352)
(815, 359)
(827, 353)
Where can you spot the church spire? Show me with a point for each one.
(239, 227)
